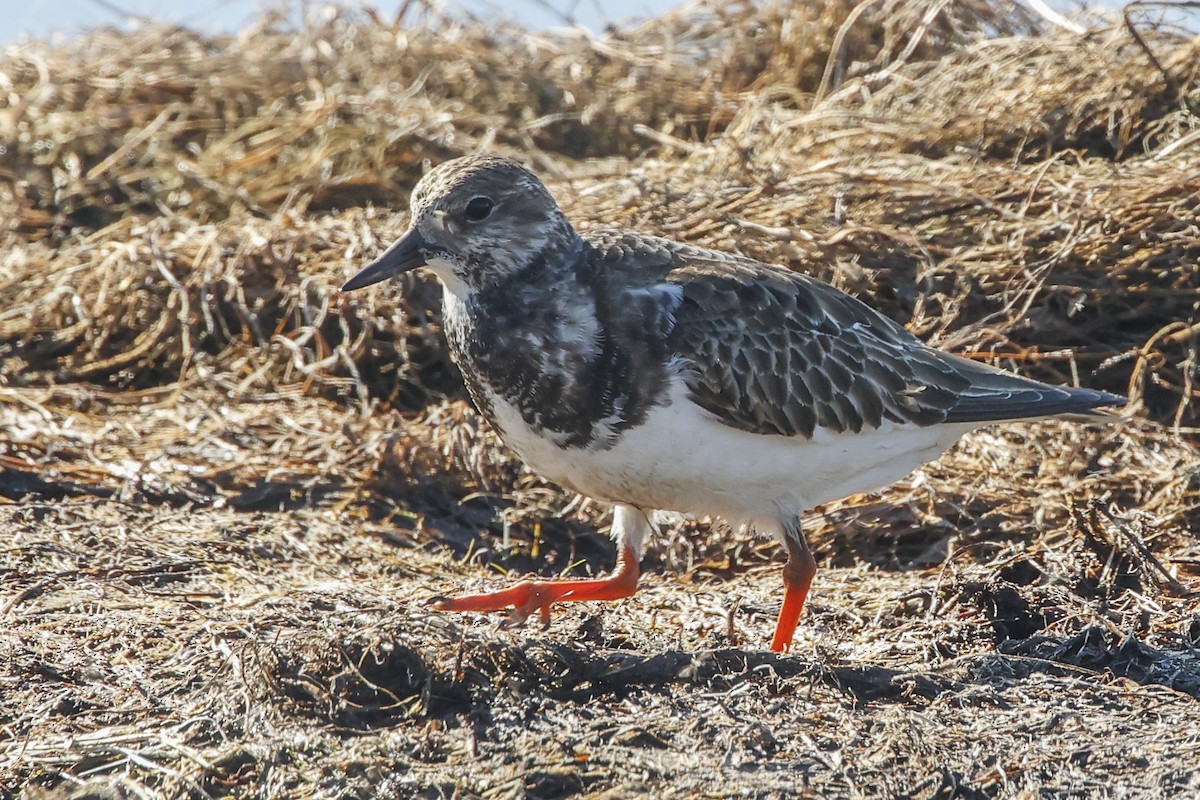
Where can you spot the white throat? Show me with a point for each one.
(452, 284)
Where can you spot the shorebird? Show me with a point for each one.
(655, 375)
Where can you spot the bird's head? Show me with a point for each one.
(473, 221)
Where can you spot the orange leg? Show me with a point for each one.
(798, 573)
(530, 596)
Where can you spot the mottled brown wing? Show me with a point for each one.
(772, 351)
(776, 352)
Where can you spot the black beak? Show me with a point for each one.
(404, 255)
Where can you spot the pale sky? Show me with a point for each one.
(63, 18)
(44, 18)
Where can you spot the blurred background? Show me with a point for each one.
(62, 18)
(41, 18)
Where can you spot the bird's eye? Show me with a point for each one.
(479, 209)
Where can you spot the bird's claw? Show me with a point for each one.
(513, 619)
(523, 599)
(520, 613)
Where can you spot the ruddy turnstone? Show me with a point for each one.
(651, 374)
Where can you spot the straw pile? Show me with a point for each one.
(229, 486)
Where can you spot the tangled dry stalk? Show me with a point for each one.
(228, 486)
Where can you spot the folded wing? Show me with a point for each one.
(775, 352)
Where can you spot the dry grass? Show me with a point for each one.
(227, 487)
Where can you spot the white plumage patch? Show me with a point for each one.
(684, 459)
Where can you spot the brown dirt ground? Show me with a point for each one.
(228, 490)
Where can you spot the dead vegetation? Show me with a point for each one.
(228, 488)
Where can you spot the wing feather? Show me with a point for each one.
(773, 351)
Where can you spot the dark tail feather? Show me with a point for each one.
(995, 395)
(1033, 402)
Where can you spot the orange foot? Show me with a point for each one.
(798, 573)
(530, 596)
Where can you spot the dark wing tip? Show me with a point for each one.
(1032, 402)
(1101, 399)
(1093, 399)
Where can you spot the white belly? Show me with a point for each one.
(683, 459)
